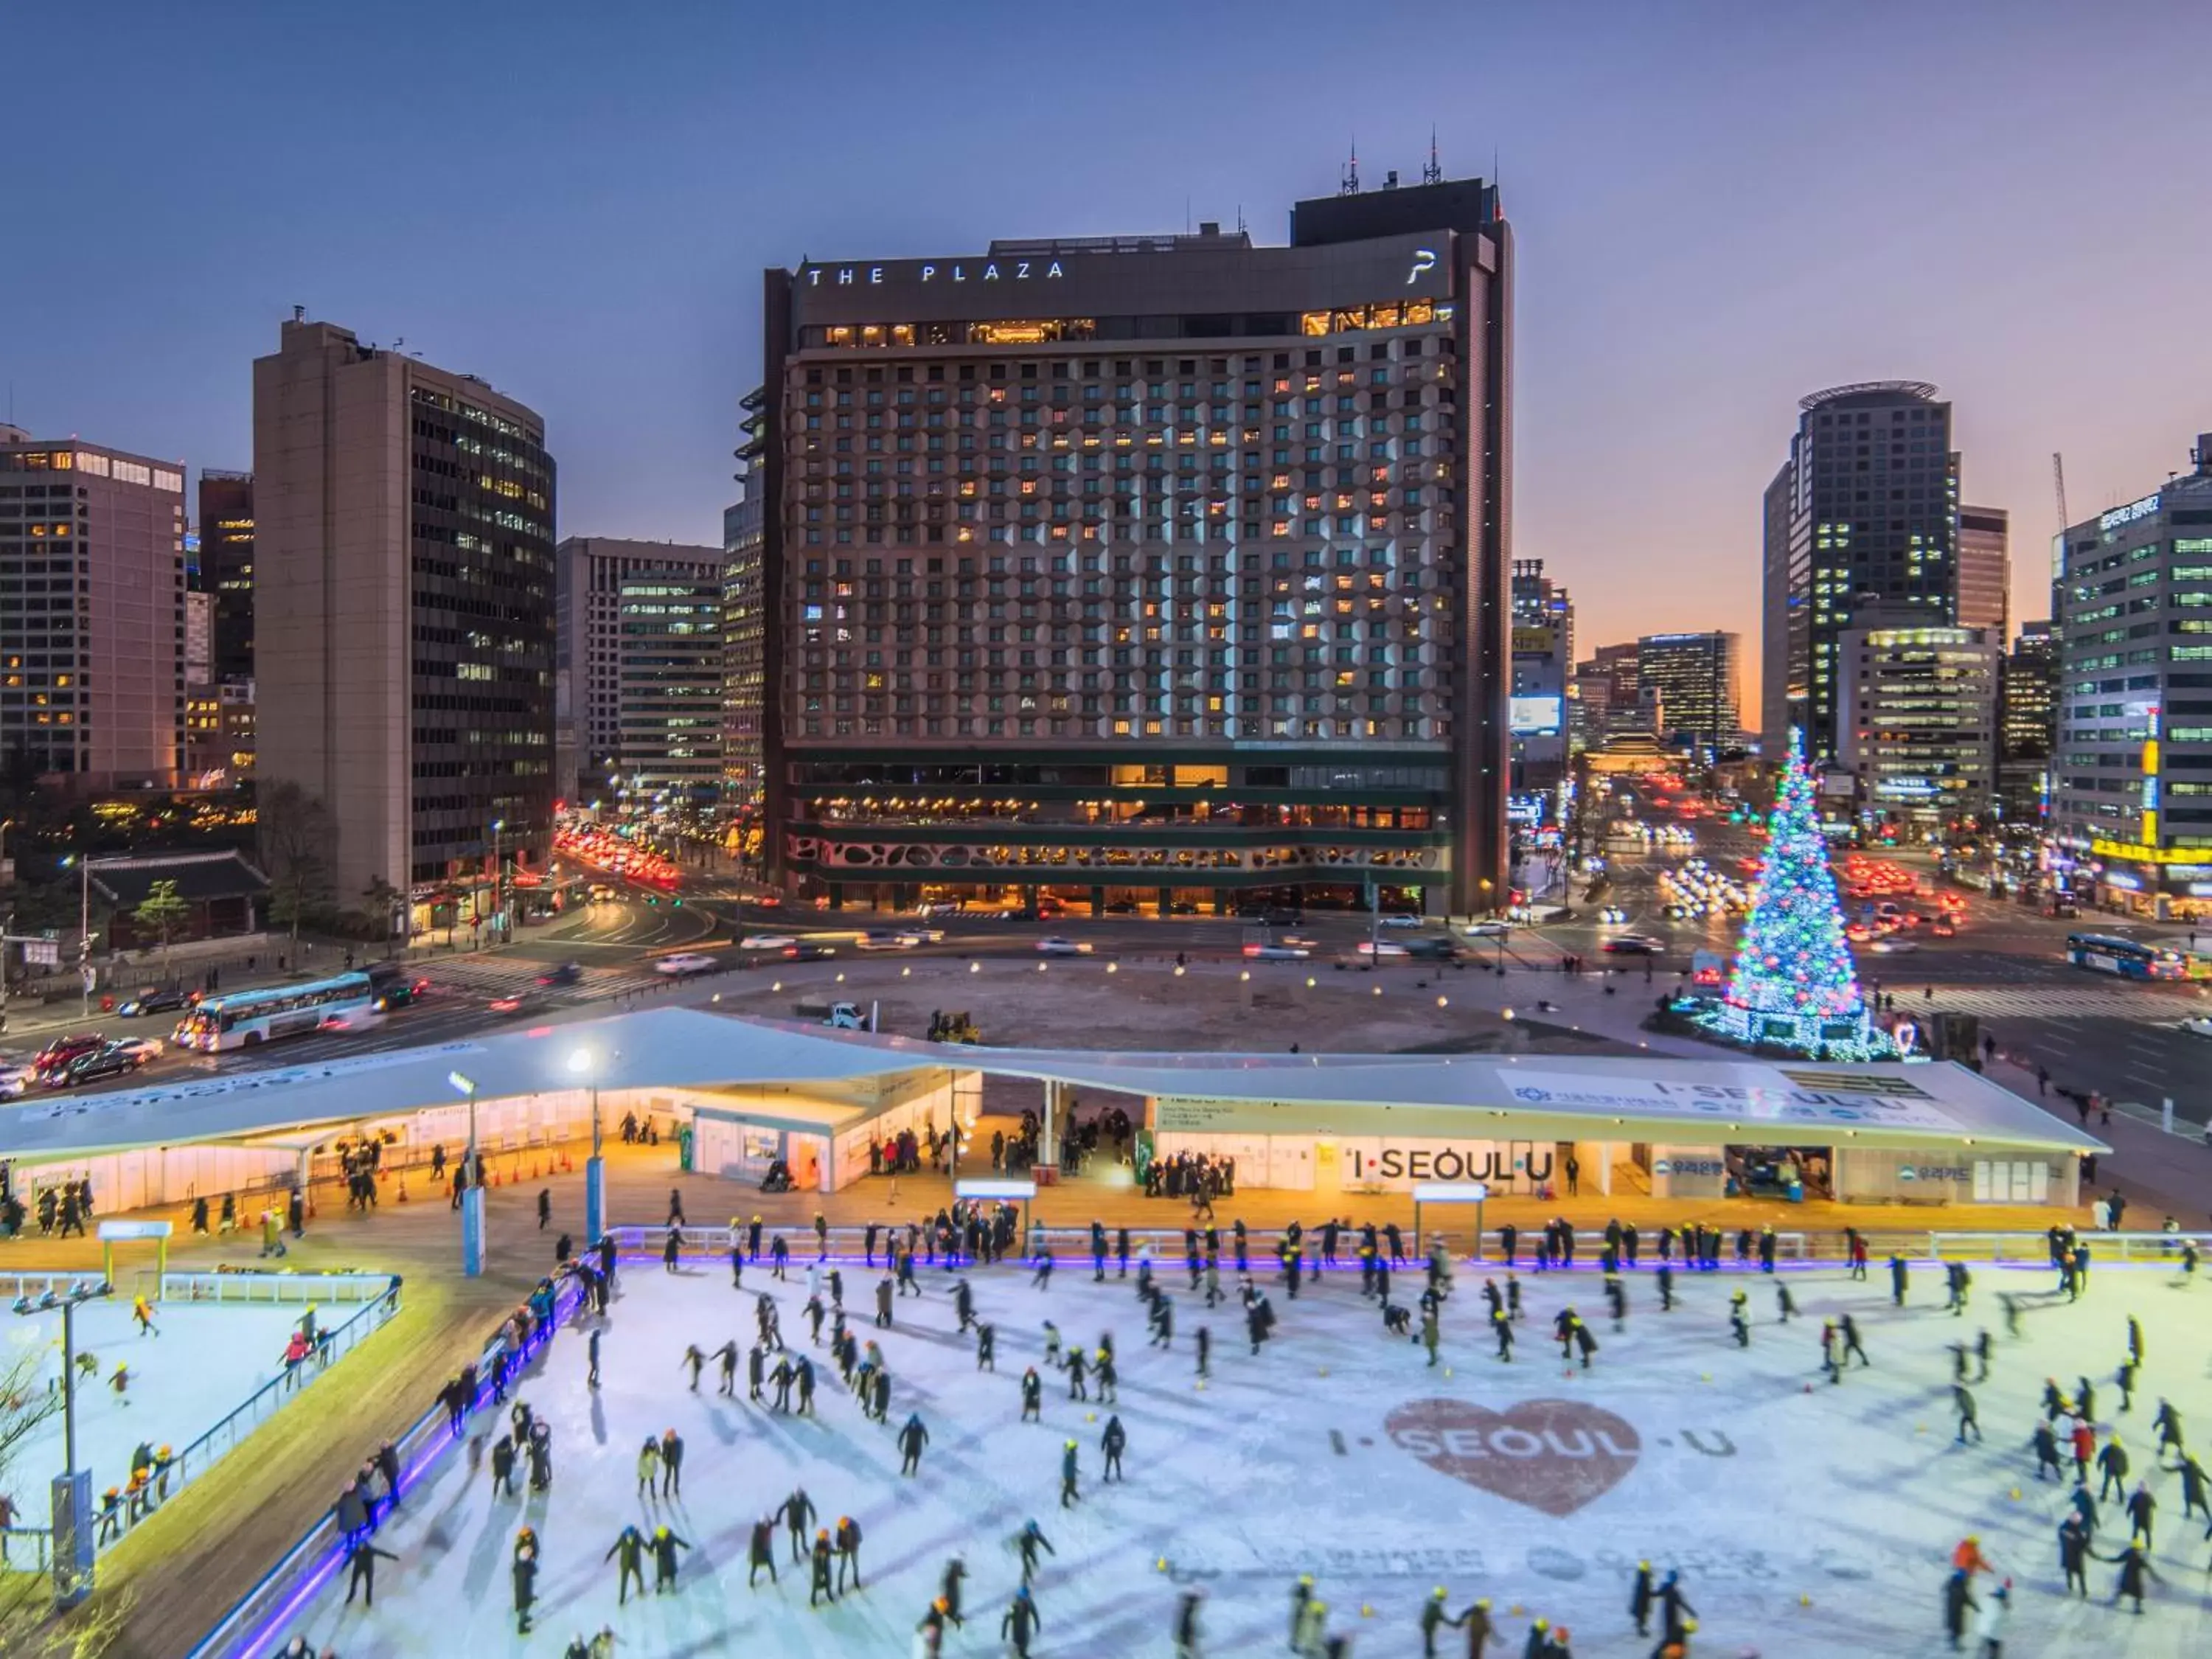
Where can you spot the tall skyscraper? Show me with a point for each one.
(1985, 570)
(227, 568)
(2132, 809)
(1864, 514)
(744, 657)
(92, 613)
(640, 641)
(1608, 701)
(1543, 659)
(1137, 565)
(1699, 678)
(2027, 724)
(403, 611)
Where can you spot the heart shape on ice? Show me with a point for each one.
(1551, 1455)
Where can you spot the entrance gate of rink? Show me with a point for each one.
(1449, 1192)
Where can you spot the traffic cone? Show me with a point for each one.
(403, 1189)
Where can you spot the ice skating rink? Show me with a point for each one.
(1808, 1521)
(208, 1357)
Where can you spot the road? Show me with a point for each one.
(2089, 1030)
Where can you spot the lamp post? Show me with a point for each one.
(498, 880)
(585, 1064)
(73, 1518)
(84, 923)
(472, 1240)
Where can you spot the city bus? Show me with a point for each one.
(247, 1019)
(2125, 956)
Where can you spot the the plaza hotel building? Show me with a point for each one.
(1149, 570)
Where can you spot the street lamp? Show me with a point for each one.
(73, 1539)
(472, 1241)
(585, 1064)
(498, 879)
(84, 923)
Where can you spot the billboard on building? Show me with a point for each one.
(1537, 717)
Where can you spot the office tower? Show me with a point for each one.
(744, 660)
(2027, 725)
(1699, 678)
(92, 623)
(2132, 809)
(640, 641)
(219, 732)
(227, 568)
(1985, 570)
(1919, 708)
(1863, 514)
(1608, 701)
(1132, 565)
(403, 614)
(1543, 643)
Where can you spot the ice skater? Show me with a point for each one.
(798, 1513)
(1021, 1623)
(911, 1440)
(848, 1551)
(1963, 1401)
(1026, 1543)
(361, 1559)
(524, 1572)
(1069, 1497)
(665, 1543)
(1739, 1319)
(1113, 1443)
(820, 1586)
(629, 1547)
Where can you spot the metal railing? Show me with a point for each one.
(269, 1287)
(26, 1549)
(220, 1441)
(251, 1627)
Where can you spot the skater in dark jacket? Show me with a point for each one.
(912, 1439)
(1640, 1598)
(1958, 1602)
(2135, 1567)
(1021, 1622)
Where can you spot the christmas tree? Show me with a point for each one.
(1795, 985)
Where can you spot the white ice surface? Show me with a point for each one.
(208, 1359)
(1761, 1490)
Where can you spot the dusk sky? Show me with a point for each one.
(1719, 208)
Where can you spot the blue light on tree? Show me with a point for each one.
(1795, 985)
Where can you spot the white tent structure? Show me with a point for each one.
(749, 1090)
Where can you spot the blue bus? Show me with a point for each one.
(2127, 957)
(247, 1019)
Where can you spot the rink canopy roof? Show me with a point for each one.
(1523, 1097)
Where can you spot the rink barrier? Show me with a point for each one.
(265, 1401)
(40, 1543)
(253, 1627)
(1071, 1246)
(255, 1285)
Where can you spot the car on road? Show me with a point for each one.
(766, 942)
(1896, 945)
(109, 1060)
(369, 1017)
(1381, 949)
(806, 951)
(923, 935)
(57, 1055)
(1496, 927)
(886, 939)
(1943, 927)
(17, 1079)
(684, 963)
(567, 973)
(1058, 946)
(516, 1002)
(1401, 920)
(145, 1050)
(1633, 945)
(1277, 952)
(2198, 1025)
(156, 1000)
(1612, 916)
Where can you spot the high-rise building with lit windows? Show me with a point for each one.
(1146, 569)
(1862, 517)
(404, 618)
(2131, 816)
(92, 613)
(744, 656)
(641, 646)
(227, 568)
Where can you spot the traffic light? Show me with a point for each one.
(652, 899)
(677, 902)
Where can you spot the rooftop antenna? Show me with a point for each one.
(299, 314)
(1433, 173)
(1350, 186)
(1240, 231)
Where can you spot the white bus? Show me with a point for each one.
(247, 1019)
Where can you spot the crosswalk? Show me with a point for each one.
(2146, 1004)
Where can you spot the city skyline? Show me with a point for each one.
(1708, 259)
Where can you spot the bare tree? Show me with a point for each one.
(29, 1626)
(297, 836)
